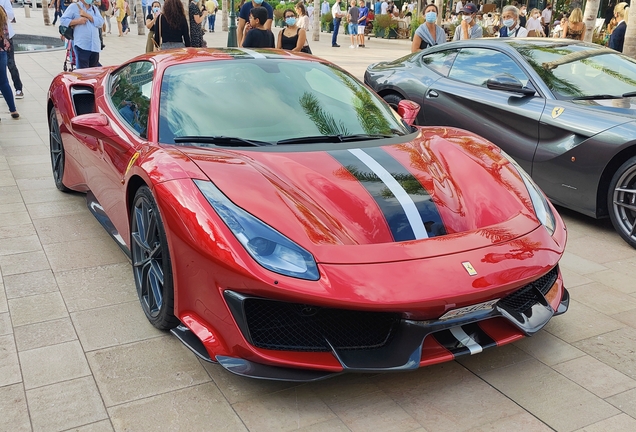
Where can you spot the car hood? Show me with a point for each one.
(444, 191)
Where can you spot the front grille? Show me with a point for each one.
(524, 298)
(300, 327)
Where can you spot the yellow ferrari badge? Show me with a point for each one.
(557, 111)
(131, 162)
(469, 268)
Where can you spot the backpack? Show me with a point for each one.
(105, 4)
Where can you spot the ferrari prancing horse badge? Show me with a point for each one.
(557, 111)
(469, 268)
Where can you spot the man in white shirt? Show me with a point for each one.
(458, 7)
(546, 17)
(324, 8)
(337, 14)
(384, 8)
(13, 69)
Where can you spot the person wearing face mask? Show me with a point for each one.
(86, 21)
(510, 21)
(292, 37)
(522, 16)
(151, 19)
(428, 34)
(244, 18)
(533, 25)
(337, 15)
(546, 17)
(468, 29)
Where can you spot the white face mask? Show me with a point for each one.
(467, 18)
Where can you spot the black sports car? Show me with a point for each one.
(563, 109)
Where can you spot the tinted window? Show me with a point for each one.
(477, 65)
(440, 62)
(130, 92)
(577, 70)
(269, 100)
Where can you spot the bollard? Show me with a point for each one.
(27, 11)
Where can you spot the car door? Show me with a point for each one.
(129, 102)
(461, 99)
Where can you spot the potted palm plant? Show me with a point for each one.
(384, 26)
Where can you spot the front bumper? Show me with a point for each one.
(412, 343)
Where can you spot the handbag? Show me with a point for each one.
(158, 45)
(67, 32)
(306, 49)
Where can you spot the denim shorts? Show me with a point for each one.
(353, 29)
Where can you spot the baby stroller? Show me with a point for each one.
(69, 61)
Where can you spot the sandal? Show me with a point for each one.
(15, 115)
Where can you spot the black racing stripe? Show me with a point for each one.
(448, 341)
(481, 337)
(421, 197)
(389, 205)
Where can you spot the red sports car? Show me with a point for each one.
(285, 222)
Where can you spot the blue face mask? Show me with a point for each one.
(258, 1)
(89, 2)
(156, 9)
(431, 17)
(290, 21)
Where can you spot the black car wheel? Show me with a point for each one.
(152, 268)
(622, 201)
(57, 152)
(393, 99)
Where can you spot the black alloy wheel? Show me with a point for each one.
(57, 152)
(152, 268)
(622, 201)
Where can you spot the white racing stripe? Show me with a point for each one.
(402, 196)
(253, 53)
(466, 340)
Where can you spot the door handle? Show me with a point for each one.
(432, 94)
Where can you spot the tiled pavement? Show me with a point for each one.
(77, 353)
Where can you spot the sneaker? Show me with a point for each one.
(335, 46)
(352, 46)
(19, 94)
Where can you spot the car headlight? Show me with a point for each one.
(267, 246)
(539, 201)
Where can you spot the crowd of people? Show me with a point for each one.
(169, 28)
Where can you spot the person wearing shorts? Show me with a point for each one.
(354, 16)
(363, 11)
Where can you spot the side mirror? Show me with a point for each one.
(508, 83)
(408, 110)
(95, 125)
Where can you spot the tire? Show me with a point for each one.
(152, 268)
(621, 201)
(56, 149)
(393, 99)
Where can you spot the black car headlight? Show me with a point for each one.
(539, 201)
(267, 246)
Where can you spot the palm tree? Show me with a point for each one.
(45, 12)
(141, 19)
(589, 18)
(224, 15)
(316, 23)
(629, 47)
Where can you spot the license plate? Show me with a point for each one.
(468, 309)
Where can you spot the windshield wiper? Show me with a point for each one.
(333, 138)
(629, 94)
(221, 140)
(598, 96)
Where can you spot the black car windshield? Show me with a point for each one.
(269, 100)
(580, 70)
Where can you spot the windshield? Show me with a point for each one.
(269, 100)
(574, 71)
